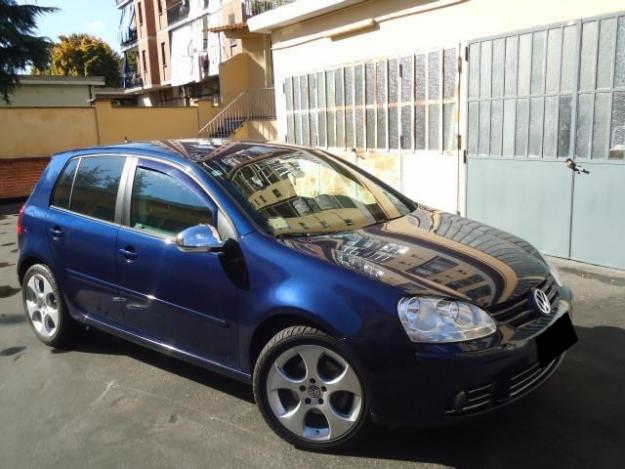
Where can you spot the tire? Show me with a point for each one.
(45, 308)
(318, 407)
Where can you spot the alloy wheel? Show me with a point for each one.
(314, 393)
(42, 306)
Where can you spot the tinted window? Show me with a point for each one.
(63, 188)
(165, 206)
(95, 186)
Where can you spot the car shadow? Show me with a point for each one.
(98, 342)
(574, 420)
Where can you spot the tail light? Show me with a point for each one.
(20, 219)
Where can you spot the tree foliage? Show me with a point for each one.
(19, 45)
(83, 55)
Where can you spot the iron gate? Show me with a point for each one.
(537, 98)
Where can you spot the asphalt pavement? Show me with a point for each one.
(105, 403)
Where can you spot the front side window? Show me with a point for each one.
(63, 188)
(95, 186)
(165, 206)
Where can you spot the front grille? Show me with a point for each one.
(497, 393)
(529, 378)
(520, 311)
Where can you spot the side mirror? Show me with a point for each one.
(200, 238)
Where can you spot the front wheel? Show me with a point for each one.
(308, 390)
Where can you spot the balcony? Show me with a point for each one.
(129, 38)
(256, 7)
(177, 12)
(131, 80)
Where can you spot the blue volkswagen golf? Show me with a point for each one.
(339, 299)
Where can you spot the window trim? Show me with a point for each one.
(227, 229)
(116, 213)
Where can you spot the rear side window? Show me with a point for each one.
(95, 186)
(63, 188)
(165, 206)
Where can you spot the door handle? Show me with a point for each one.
(576, 168)
(129, 253)
(56, 231)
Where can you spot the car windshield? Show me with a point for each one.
(304, 193)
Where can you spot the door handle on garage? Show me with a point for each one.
(56, 231)
(576, 168)
(129, 253)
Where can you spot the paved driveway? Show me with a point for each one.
(107, 404)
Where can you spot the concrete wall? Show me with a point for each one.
(49, 95)
(139, 123)
(237, 74)
(259, 130)
(36, 132)
(28, 136)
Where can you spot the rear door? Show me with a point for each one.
(179, 299)
(82, 230)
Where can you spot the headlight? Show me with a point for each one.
(552, 269)
(429, 319)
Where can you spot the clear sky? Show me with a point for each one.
(96, 17)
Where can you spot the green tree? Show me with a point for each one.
(19, 46)
(83, 55)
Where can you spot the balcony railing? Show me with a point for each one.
(129, 38)
(256, 7)
(177, 12)
(131, 80)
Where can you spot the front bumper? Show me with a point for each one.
(429, 384)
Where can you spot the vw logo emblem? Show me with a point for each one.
(542, 301)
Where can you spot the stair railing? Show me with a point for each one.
(253, 103)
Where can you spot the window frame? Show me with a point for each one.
(225, 225)
(220, 220)
(118, 197)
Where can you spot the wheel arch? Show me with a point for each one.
(26, 264)
(274, 323)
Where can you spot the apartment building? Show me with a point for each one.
(487, 108)
(179, 51)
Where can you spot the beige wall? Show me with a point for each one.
(40, 132)
(257, 130)
(206, 111)
(233, 76)
(115, 123)
(35, 132)
(49, 95)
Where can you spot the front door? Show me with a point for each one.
(179, 299)
(82, 230)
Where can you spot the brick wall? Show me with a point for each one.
(19, 176)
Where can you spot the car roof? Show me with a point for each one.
(196, 150)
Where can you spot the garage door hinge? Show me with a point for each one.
(466, 53)
(464, 156)
(459, 141)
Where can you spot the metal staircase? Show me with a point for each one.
(253, 103)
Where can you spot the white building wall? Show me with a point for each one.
(402, 27)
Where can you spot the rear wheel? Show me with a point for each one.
(308, 390)
(44, 306)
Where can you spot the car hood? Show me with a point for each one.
(435, 253)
